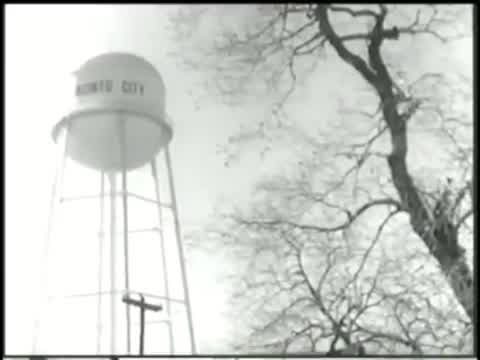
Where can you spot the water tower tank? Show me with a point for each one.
(118, 114)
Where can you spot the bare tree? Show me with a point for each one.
(305, 290)
(283, 43)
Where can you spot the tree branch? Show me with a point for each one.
(349, 11)
(350, 220)
(356, 61)
(463, 218)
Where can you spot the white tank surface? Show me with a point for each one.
(118, 117)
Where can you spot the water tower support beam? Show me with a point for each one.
(123, 147)
(180, 249)
(55, 197)
(166, 287)
(111, 177)
(101, 236)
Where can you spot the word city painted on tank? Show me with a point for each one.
(107, 86)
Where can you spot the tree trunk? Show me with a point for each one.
(439, 237)
(441, 241)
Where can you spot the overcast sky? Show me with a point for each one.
(46, 43)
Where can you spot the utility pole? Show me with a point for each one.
(143, 307)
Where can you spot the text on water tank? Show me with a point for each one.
(108, 86)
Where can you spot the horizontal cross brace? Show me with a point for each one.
(167, 322)
(134, 231)
(136, 196)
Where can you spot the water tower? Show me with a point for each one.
(116, 129)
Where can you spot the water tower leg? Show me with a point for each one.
(142, 325)
(55, 198)
(113, 190)
(123, 147)
(180, 250)
(101, 236)
(166, 287)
